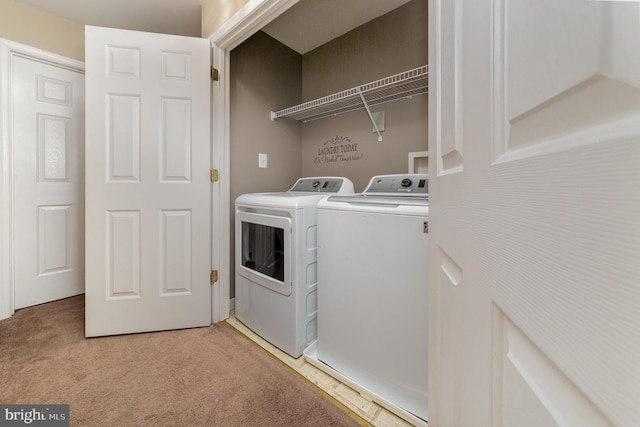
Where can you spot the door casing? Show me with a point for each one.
(248, 20)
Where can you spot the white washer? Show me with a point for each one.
(276, 261)
(372, 289)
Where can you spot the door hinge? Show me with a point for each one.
(425, 228)
(214, 175)
(214, 276)
(215, 75)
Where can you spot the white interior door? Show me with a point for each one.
(535, 213)
(48, 135)
(148, 201)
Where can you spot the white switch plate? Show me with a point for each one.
(262, 160)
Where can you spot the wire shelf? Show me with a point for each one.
(400, 86)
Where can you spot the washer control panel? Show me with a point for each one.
(399, 184)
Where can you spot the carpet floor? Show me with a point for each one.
(210, 376)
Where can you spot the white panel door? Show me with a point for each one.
(148, 213)
(48, 135)
(535, 213)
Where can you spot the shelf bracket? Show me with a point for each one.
(366, 106)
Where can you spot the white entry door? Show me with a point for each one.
(48, 134)
(535, 213)
(148, 193)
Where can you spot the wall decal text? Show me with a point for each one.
(338, 149)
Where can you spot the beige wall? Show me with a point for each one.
(217, 12)
(34, 27)
(388, 45)
(264, 74)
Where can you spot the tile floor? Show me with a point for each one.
(371, 412)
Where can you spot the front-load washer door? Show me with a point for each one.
(263, 250)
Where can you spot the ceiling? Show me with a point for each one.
(307, 25)
(312, 23)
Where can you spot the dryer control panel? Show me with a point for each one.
(408, 184)
(323, 185)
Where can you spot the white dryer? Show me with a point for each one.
(276, 261)
(372, 289)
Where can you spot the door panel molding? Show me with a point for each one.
(544, 220)
(8, 50)
(449, 90)
(148, 205)
(554, 93)
(48, 171)
(54, 252)
(523, 369)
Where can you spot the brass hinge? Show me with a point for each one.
(214, 276)
(214, 175)
(425, 228)
(215, 75)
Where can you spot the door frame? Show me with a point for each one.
(8, 50)
(252, 17)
